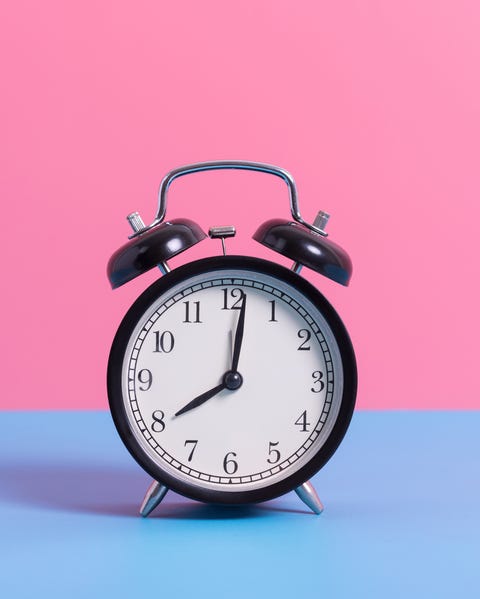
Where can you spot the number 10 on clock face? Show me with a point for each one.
(235, 380)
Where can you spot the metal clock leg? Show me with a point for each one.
(154, 495)
(309, 496)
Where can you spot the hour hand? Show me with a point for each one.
(202, 398)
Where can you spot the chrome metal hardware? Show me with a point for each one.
(222, 233)
(229, 164)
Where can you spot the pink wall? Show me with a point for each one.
(373, 106)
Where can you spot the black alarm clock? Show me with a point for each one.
(231, 379)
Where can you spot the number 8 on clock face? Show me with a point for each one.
(231, 380)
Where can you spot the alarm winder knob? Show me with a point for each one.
(136, 222)
(321, 221)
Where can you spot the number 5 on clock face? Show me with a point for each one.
(237, 380)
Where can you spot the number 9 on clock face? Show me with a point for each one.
(231, 380)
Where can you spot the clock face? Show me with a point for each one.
(227, 381)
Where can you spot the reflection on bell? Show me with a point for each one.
(149, 249)
(306, 247)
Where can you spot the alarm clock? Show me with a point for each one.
(231, 379)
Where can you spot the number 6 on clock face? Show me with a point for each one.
(217, 433)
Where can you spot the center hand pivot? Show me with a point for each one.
(231, 380)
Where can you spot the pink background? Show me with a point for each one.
(373, 106)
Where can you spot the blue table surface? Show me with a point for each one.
(401, 519)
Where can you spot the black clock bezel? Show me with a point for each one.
(117, 355)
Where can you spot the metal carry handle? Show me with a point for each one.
(222, 165)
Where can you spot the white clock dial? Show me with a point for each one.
(274, 422)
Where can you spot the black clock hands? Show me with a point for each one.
(231, 379)
(202, 398)
(237, 346)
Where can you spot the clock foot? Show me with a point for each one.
(154, 495)
(309, 496)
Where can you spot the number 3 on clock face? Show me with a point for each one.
(232, 380)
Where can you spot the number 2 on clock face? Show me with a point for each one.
(243, 438)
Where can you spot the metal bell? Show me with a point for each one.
(151, 248)
(306, 247)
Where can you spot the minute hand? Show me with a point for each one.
(237, 346)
